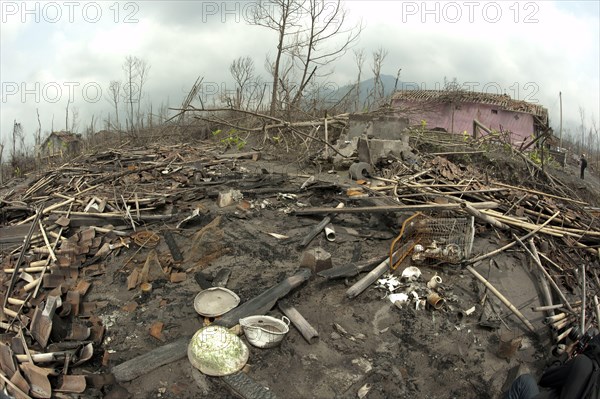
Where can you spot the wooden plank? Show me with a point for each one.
(395, 208)
(262, 303)
(143, 364)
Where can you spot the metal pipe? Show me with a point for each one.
(434, 282)
(330, 232)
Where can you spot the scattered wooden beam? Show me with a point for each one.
(537, 261)
(314, 232)
(395, 208)
(173, 248)
(352, 269)
(262, 303)
(512, 244)
(539, 193)
(485, 218)
(308, 332)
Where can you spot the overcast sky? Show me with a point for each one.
(531, 50)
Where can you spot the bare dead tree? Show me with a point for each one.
(242, 71)
(163, 112)
(38, 136)
(130, 89)
(67, 116)
(17, 134)
(324, 39)
(143, 69)
(1, 168)
(582, 128)
(594, 131)
(283, 17)
(378, 89)
(359, 58)
(397, 79)
(74, 119)
(114, 90)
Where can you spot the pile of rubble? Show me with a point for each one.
(151, 218)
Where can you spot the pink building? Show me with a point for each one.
(458, 111)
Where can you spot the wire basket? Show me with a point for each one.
(442, 239)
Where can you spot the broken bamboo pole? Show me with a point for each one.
(485, 218)
(597, 306)
(395, 208)
(554, 230)
(539, 193)
(551, 307)
(550, 261)
(537, 261)
(308, 332)
(374, 274)
(512, 244)
(50, 250)
(46, 210)
(502, 298)
(13, 278)
(564, 334)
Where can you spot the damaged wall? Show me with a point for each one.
(458, 118)
(384, 127)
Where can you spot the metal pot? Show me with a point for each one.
(265, 331)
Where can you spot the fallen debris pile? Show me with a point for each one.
(97, 257)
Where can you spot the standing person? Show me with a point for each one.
(583, 165)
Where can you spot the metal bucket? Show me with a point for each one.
(265, 331)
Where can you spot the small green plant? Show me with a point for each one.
(231, 139)
(465, 136)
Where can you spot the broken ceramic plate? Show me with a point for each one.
(215, 301)
(398, 299)
(389, 283)
(411, 273)
(216, 351)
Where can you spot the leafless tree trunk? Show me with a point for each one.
(359, 57)
(143, 69)
(325, 26)
(582, 128)
(38, 136)
(67, 116)
(114, 89)
(75, 120)
(129, 93)
(1, 168)
(16, 136)
(378, 89)
(136, 75)
(242, 71)
(282, 16)
(150, 116)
